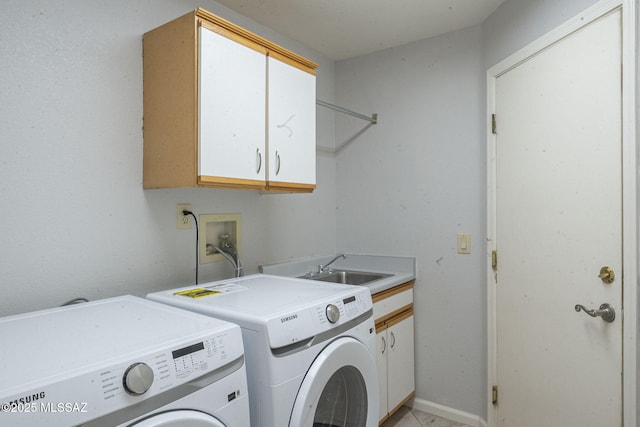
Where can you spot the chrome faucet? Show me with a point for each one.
(324, 268)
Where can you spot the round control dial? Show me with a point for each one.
(138, 379)
(333, 313)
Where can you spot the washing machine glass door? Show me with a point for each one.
(339, 389)
(180, 418)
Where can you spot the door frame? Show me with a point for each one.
(630, 184)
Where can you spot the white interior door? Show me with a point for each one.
(558, 220)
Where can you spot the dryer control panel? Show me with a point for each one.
(166, 369)
(103, 390)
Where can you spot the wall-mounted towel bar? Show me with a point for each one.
(373, 119)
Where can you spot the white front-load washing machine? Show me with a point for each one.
(310, 347)
(123, 361)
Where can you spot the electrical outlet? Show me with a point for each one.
(184, 221)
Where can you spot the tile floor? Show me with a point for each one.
(406, 417)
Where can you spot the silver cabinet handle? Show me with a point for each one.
(259, 159)
(606, 312)
(384, 345)
(277, 162)
(393, 343)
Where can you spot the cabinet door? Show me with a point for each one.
(232, 109)
(381, 361)
(400, 360)
(292, 124)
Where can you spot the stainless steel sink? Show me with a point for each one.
(348, 277)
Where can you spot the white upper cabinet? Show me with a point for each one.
(226, 108)
(292, 124)
(232, 115)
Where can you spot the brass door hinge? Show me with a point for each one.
(494, 260)
(494, 395)
(494, 126)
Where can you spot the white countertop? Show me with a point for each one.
(400, 269)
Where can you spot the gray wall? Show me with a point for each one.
(407, 185)
(75, 220)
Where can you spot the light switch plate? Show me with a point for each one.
(464, 243)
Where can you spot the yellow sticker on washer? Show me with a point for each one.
(197, 293)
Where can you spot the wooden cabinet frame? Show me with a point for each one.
(170, 58)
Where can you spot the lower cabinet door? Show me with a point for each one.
(400, 360)
(381, 361)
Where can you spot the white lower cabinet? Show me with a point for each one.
(381, 336)
(395, 358)
(400, 363)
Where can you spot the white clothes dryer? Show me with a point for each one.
(123, 361)
(310, 347)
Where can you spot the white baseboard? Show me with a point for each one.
(446, 412)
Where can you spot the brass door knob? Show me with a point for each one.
(606, 274)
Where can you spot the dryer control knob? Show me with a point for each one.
(333, 313)
(137, 379)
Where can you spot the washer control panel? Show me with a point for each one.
(314, 319)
